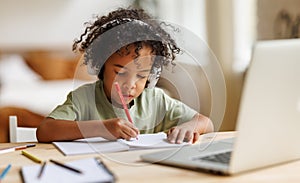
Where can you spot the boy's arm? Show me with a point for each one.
(63, 130)
(190, 130)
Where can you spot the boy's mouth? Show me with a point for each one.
(128, 97)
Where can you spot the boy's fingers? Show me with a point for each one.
(196, 137)
(173, 136)
(125, 136)
(180, 136)
(170, 131)
(131, 126)
(129, 131)
(188, 136)
(184, 136)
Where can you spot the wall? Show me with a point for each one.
(46, 24)
(233, 26)
(189, 14)
(231, 33)
(269, 26)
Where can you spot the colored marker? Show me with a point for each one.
(15, 148)
(30, 156)
(42, 170)
(5, 171)
(65, 166)
(123, 103)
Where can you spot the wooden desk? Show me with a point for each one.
(128, 168)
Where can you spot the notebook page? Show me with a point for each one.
(89, 146)
(101, 145)
(92, 172)
(156, 140)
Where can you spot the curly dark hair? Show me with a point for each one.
(120, 29)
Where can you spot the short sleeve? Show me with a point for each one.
(66, 111)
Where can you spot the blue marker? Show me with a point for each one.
(5, 171)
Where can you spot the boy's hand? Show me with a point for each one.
(190, 131)
(120, 128)
(183, 133)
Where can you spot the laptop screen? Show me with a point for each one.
(269, 115)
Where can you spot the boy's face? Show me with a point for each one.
(131, 73)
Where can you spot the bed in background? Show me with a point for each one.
(35, 82)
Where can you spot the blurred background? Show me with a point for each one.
(37, 65)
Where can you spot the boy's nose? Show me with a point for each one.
(129, 84)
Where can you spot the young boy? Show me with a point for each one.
(136, 48)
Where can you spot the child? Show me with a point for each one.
(129, 48)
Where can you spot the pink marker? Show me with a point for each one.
(123, 102)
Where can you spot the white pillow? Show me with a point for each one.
(14, 69)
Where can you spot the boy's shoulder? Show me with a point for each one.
(154, 91)
(87, 86)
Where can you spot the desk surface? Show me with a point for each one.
(128, 168)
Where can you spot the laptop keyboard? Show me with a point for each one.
(220, 158)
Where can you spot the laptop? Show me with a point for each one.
(268, 122)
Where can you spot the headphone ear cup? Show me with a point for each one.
(92, 70)
(153, 78)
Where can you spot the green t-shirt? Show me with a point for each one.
(153, 111)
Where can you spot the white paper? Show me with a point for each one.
(101, 145)
(92, 172)
(156, 140)
(89, 146)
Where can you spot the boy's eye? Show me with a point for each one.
(120, 73)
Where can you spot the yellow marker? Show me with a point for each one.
(30, 156)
